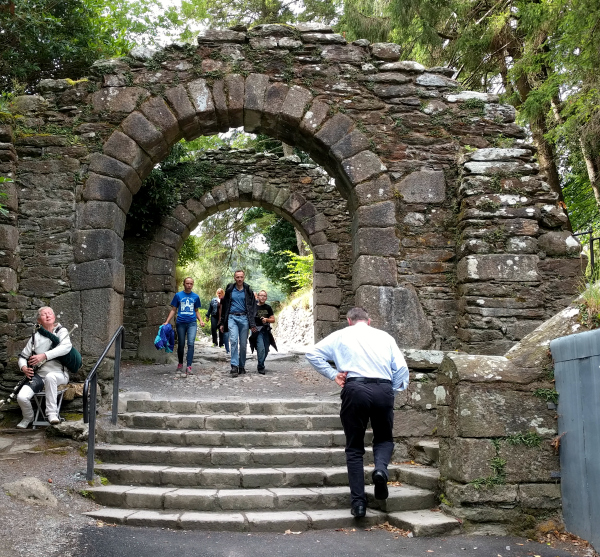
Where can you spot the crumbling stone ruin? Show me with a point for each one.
(439, 223)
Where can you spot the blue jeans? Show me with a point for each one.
(262, 346)
(226, 342)
(238, 333)
(186, 330)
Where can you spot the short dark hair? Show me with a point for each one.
(239, 271)
(357, 314)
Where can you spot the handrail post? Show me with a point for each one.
(92, 430)
(90, 391)
(115, 400)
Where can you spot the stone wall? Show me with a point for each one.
(497, 423)
(390, 133)
(415, 416)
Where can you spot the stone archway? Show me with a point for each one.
(300, 193)
(449, 232)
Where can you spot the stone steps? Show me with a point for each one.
(247, 466)
(404, 498)
(253, 407)
(223, 456)
(228, 438)
(174, 476)
(219, 422)
(274, 521)
(427, 452)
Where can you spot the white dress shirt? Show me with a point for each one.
(44, 345)
(362, 351)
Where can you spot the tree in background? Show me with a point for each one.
(280, 237)
(223, 13)
(542, 54)
(63, 38)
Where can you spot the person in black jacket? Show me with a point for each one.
(237, 317)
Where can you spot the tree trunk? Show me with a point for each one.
(301, 244)
(593, 166)
(539, 129)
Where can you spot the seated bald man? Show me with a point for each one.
(39, 357)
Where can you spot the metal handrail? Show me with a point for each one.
(591, 241)
(90, 391)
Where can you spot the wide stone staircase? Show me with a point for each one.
(248, 466)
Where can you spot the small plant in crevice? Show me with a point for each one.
(529, 439)
(489, 206)
(549, 395)
(498, 466)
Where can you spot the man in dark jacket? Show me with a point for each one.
(237, 317)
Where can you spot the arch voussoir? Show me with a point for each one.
(204, 105)
(292, 111)
(275, 95)
(196, 208)
(254, 100)
(221, 109)
(314, 117)
(184, 111)
(157, 111)
(109, 166)
(363, 166)
(121, 147)
(220, 197)
(145, 134)
(105, 188)
(235, 85)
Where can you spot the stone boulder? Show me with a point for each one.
(31, 490)
(75, 430)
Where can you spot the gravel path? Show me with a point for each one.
(288, 375)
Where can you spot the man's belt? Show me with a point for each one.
(243, 313)
(367, 380)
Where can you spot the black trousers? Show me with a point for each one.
(362, 402)
(214, 321)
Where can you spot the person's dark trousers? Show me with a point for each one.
(361, 402)
(214, 327)
(262, 347)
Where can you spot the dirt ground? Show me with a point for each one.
(28, 530)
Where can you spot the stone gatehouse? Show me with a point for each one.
(439, 223)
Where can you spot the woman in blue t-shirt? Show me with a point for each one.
(187, 305)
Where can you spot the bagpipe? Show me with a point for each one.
(72, 361)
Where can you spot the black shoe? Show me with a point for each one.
(381, 488)
(359, 511)
(234, 371)
(261, 370)
(242, 370)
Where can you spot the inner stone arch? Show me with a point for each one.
(301, 193)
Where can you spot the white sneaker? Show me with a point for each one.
(53, 419)
(24, 423)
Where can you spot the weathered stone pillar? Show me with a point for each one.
(517, 256)
(496, 426)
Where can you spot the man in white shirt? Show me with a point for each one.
(369, 368)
